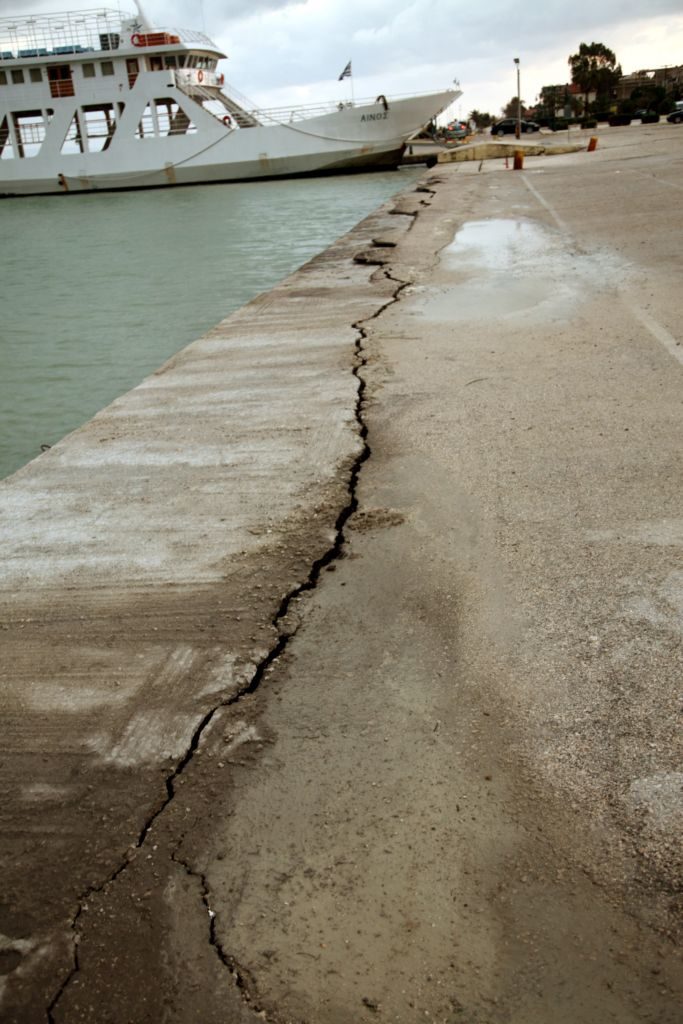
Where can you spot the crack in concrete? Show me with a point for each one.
(242, 979)
(244, 982)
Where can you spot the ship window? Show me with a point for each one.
(181, 62)
(6, 147)
(17, 76)
(146, 128)
(133, 69)
(156, 63)
(171, 118)
(107, 67)
(88, 70)
(3, 78)
(60, 80)
(36, 74)
(170, 62)
(99, 122)
(73, 141)
(30, 130)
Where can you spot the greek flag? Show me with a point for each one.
(346, 73)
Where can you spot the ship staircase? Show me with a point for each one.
(210, 93)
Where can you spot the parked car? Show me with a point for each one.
(508, 126)
(675, 117)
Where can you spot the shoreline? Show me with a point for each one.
(70, 352)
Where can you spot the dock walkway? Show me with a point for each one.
(342, 657)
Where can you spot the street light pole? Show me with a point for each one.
(518, 128)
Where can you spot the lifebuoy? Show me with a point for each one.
(136, 40)
(227, 121)
(221, 79)
(200, 77)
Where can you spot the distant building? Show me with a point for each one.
(567, 100)
(577, 92)
(668, 78)
(562, 100)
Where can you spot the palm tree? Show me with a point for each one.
(594, 69)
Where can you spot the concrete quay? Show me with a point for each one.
(342, 658)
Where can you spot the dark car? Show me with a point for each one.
(675, 117)
(508, 126)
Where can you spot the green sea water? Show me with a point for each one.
(99, 290)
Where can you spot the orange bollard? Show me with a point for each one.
(593, 144)
(519, 160)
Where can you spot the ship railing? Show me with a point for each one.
(189, 37)
(299, 112)
(248, 114)
(245, 111)
(99, 28)
(71, 32)
(31, 133)
(305, 111)
(62, 87)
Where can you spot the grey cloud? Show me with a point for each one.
(386, 36)
(215, 12)
(182, 12)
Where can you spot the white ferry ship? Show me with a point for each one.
(101, 100)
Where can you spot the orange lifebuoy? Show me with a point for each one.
(200, 77)
(221, 79)
(227, 121)
(136, 40)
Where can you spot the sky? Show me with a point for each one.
(283, 52)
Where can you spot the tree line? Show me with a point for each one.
(596, 73)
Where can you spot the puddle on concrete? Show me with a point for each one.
(509, 269)
(497, 244)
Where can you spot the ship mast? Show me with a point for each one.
(143, 17)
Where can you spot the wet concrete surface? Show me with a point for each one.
(512, 270)
(453, 791)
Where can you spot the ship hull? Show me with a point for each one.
(352, 138)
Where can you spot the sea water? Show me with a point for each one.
(99, 290)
